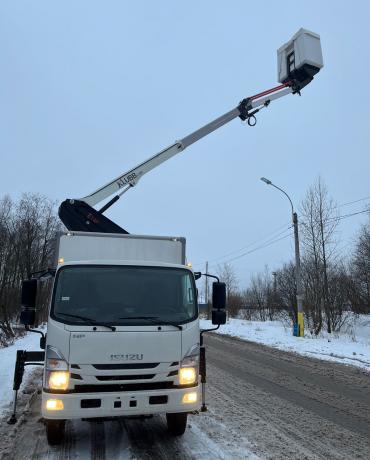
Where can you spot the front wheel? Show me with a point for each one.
(176, 423)
(55, 431)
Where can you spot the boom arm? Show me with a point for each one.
(79, 215)
(131, 177)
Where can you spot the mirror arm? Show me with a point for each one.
(50, 272)
(197, 275)
(207, 330)
(34, 330)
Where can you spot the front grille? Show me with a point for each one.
(108, 367)
(124, 377)
(126, 387)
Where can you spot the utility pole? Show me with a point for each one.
(300, 318)
(299, 295)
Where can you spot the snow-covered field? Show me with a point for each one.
(29, 342)
(351, 346)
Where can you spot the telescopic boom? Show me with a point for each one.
(298, 61)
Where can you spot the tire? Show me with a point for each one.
(55, 431)
(176, 423)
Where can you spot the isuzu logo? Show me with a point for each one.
(127, 357)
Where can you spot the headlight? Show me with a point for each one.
(56, 370)
(58, 380)
(188, 372)
(188, 375)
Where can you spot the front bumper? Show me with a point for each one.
(118, 404)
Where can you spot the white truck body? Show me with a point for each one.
(133, 369)
(83, 246)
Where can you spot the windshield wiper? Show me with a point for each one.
(154, 320)
(89, 320)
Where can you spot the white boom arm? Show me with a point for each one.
(245, 110)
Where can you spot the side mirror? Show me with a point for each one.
(218, 317)
(219, 295)
(28, 317)
(28, 302)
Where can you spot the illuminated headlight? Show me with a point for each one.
(56, 370)
(190, 398)
(54, 404)
(58, 380)
(187, 375)
(188, 372)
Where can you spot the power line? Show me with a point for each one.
(258, 248)
(259, 240)
(267, 243)
(345, 216)
(355, 201)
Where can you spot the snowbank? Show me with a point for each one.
(352, 346)
(31, 341)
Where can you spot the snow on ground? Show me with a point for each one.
(30, 342)
(350, 346)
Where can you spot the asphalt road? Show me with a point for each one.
(262, 403)
(292, 406)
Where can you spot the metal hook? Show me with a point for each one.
(252, 120)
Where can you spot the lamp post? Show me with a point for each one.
(300, 319)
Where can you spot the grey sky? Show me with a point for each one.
(89, 89)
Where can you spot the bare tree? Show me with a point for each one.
(260, 297)
(286, 289)
(318, 223)
(361, 271)
(227, 275)
(27, 230)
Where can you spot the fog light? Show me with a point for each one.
(54, 404)
(190, 398)
(58, 380)
(187, 375)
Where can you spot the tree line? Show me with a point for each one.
(27, 233)
(333, 284)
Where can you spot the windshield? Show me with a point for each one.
(124, 295)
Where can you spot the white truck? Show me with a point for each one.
(123, 334)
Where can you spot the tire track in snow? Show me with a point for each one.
(97, 436)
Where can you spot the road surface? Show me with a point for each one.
(263, 403)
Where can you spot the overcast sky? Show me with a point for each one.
(89, 89)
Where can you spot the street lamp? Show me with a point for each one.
(300, 319)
